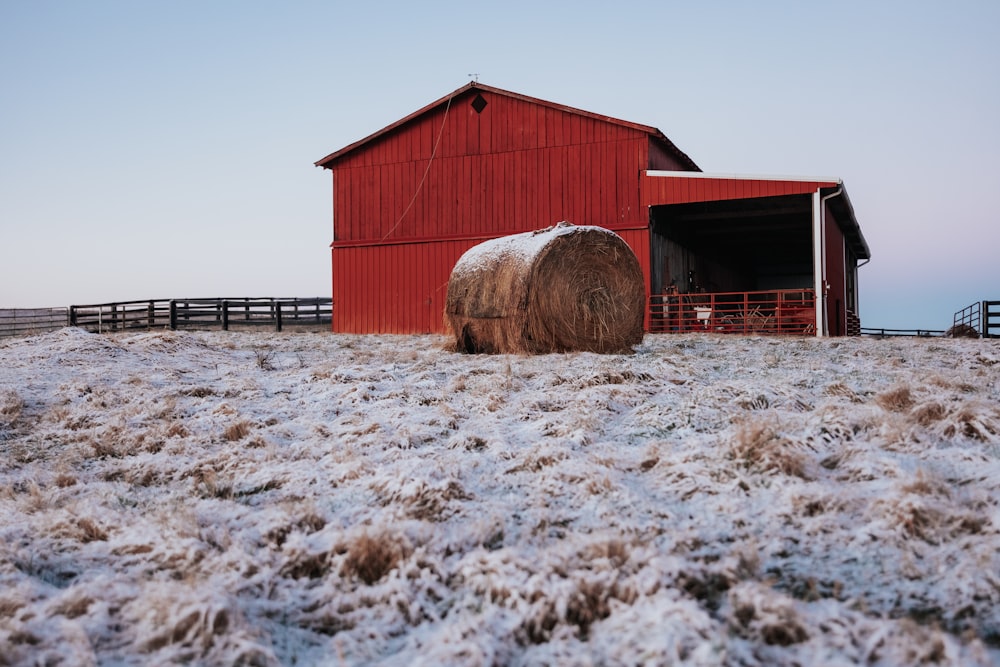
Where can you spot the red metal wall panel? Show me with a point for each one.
(836, 304)
(411, 200)
(658, 190)
(399, 288)
(660, 158)
(514, 167)
(638, 240)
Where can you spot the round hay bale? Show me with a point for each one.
(558, 289)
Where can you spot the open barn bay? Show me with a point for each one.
(264, 499)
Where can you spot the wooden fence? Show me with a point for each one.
(23, 321)
(991, 319)
(217, 313)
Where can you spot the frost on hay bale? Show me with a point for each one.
(558, 289)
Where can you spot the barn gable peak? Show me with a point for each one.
(329, 161)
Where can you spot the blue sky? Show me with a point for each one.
(156, 150)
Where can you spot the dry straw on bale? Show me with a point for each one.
(558, 289)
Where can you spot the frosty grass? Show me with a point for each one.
(306, 498)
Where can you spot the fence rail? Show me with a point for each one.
(969, 318)
(982, 317)
(22, 321)
(786, 312)
(215, 313)
(991, 319)
(883, 333)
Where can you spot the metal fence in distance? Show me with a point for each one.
(883, 333)
(983, 317)
(762, 312)
(25, 321)
(202, 313)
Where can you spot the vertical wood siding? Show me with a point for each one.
(398, 288)
(515, 167)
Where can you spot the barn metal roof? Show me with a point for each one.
(741, 189)
(657, 135)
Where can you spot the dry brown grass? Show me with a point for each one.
(177, 430)
(897, 399)
(372, 556)
(761, 447)
(237, 431)
(759, 614)
(423, 501)
(929, 413)
(64, 480)
(309, 522)
(91, 531)
(208, 483)
(975, 423)
(73, 605)
(590, 600)
(265, 357)
(104, 447)
(11, 407)
(841, 389)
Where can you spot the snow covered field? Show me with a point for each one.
(306, 498)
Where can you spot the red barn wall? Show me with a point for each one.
(663, 160)
(657, 190)
(402, 219)
(397, 288)
(516, 166)
(836, 298)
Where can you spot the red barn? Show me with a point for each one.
(719, 252)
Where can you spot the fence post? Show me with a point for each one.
(173, 315)
(277, 316)
(225, 315)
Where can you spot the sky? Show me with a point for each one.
(160, 150)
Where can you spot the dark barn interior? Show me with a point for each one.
(736, 245)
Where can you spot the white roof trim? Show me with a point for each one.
(742, 177)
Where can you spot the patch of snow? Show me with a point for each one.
(523, 247)
(304, 498)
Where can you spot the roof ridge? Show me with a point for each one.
(475, 85)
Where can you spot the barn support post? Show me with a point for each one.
(819, 257)
(826, 286)
(817, 206)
